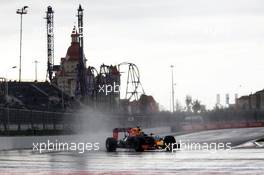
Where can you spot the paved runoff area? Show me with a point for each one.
(238, 160)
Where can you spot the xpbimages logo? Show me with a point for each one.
(49, 146)
(108, 88)
(204, 146)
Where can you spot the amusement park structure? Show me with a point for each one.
(50, 107)
(99, 88)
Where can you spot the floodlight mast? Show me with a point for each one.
(21, 12)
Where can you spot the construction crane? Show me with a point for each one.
(50, 42)
(81, 87)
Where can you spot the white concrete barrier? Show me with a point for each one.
(26, 142)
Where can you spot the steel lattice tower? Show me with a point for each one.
(50, 42)
(81, 80)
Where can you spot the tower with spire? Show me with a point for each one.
(66, 76)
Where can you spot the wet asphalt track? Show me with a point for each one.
(235, 161)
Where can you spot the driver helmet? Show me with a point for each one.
(157, 137)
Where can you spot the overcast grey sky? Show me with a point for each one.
(215, 45)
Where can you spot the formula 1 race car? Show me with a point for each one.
(134, 138)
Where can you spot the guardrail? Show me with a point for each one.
(31, 122)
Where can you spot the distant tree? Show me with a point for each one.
(178, 106)
(196, 106)
(188, 102)
(217, 107)
(203, 108)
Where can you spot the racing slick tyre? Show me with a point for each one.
(169, 143)
(137, 144)
(110, 144)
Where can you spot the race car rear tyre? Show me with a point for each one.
(110, 144)
(137, 144)
(169, 143)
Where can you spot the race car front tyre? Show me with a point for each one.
(169, 142)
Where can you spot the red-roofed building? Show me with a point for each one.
(66, 77)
